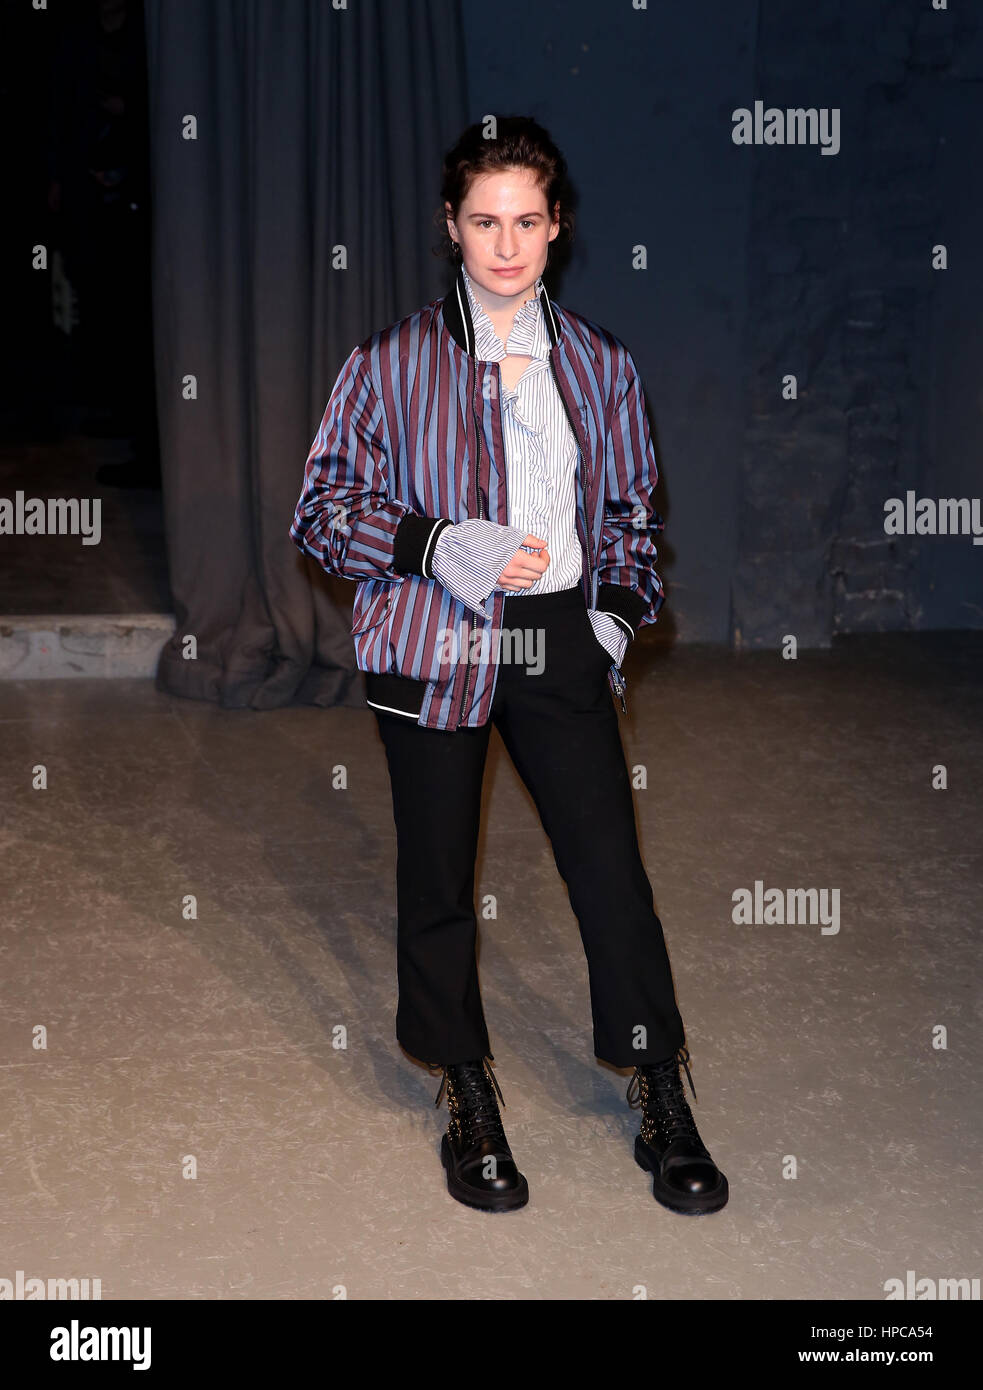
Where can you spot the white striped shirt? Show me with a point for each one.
(541, 475)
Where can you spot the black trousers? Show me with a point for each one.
(560, 727)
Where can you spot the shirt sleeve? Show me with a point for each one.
(609, 633)
(469, 557)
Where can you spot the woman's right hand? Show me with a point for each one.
(524, 569)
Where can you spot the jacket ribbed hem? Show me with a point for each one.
(395, 694)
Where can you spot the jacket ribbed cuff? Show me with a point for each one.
(626, 605)
(414, 542)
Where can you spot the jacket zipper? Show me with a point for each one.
(620, 680)
(481, 512)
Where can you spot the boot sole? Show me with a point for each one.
(492, 1201)
(697, 1204)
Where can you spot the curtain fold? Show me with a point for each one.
(297, 221)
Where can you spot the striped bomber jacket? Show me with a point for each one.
(410, 443)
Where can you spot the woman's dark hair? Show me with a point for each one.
(505, 142)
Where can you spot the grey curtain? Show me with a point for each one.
(317, 128)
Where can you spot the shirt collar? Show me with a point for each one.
(528, 337)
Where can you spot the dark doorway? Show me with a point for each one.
(78, 418)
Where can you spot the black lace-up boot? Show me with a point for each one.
(685, 1177)
(481, 1171)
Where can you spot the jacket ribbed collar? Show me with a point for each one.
(457, 315)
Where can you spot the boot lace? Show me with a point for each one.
(658, 1089)
(471, 1100)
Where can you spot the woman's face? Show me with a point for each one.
(503, 228)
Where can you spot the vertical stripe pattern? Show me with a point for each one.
(411, 428)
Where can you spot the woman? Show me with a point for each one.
(484, 471)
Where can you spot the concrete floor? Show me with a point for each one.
(317, 1166)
